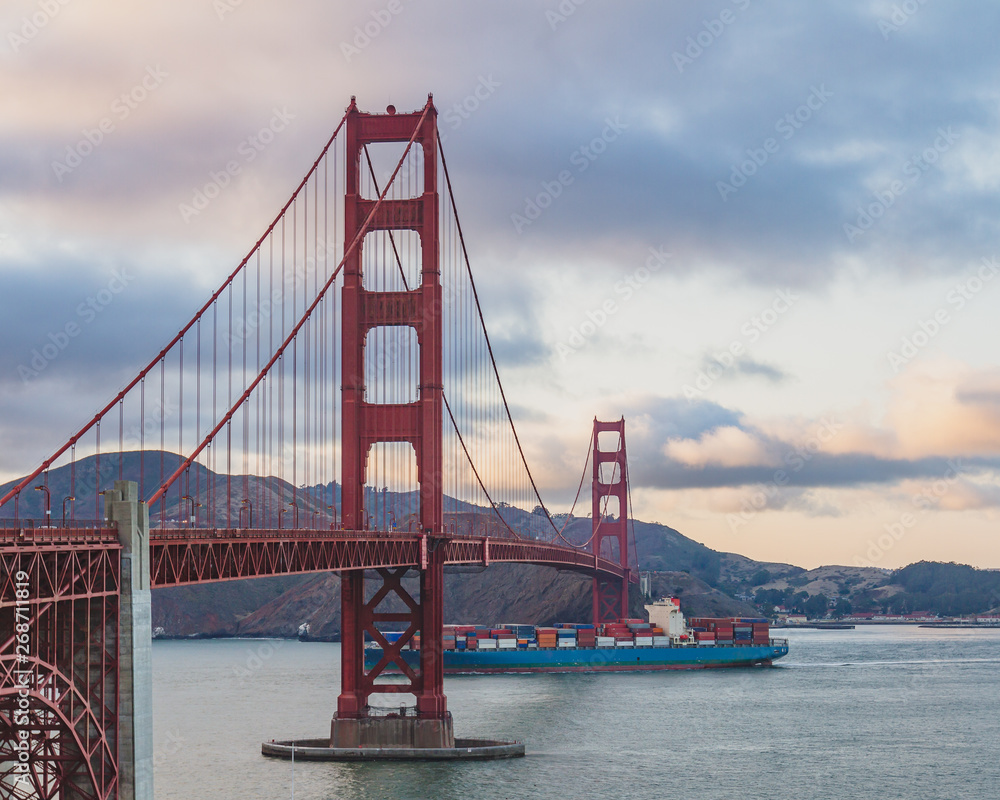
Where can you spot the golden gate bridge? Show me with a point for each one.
(316, 414)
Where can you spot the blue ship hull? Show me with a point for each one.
(596, 659)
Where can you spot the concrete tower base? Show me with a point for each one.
(392, 732)
(464, 750)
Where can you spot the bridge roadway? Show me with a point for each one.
(188, 556)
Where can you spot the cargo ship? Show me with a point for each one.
(666, 641)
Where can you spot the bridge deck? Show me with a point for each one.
(189, 556)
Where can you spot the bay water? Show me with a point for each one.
(881, 712)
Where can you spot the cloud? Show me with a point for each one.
(853, 469)
(928, 431)
(744, 366)
(726, 447)
(678, 134)
(84, 318)
(946, 407)
(656, 182)
(676, 416)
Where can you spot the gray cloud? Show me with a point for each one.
(746, 366)
(655, 183)
(821, 470)
(788, 465)
(69, 318)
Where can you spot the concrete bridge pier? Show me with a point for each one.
(135, 648)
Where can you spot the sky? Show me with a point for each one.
(764, 233)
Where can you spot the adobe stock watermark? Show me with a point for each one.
(24, 679)
(164, 751)
(562, 12)
(625, 290)
(457, 113)
(914, 168)
(57, 341)
(255, 660)
(223, 8)
(927, 329)
(901, 14)
(711, 30)
(32, 26)
(371, 29)
(121, 109)
(924, 501)
(750, 332)
(787, 125)
(260, 312)
(794, 460)
(144, 431)
(247, 151)
(581, 158)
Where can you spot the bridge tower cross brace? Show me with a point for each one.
(419, 422)
(610, 594)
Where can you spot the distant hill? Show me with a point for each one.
(89, 476)
(500, 593)
(946, 589)
(708, 582)
(943, 589)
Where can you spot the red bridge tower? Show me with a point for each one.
(419, 423)
(610, 489)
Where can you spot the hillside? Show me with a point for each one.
(707, 581)
(946, 589)
(503, 592)
(215, 609)
(508, 592)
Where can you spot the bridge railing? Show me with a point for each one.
(28, 532)
(211, 534)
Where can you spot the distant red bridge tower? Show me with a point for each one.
(610, 519)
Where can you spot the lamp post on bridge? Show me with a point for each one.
(48, 503)
(71, 499)
(191, 518)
